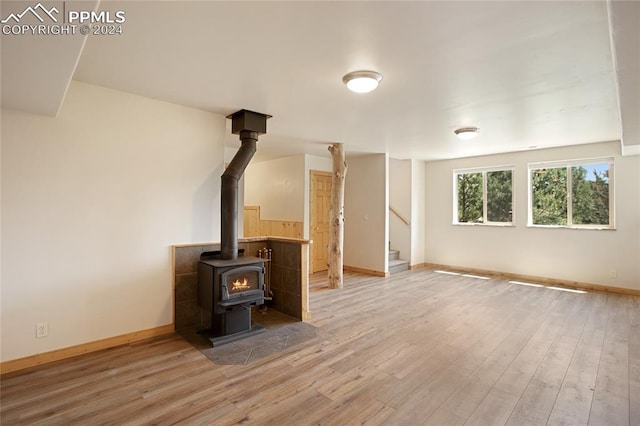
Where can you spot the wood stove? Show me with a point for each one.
(228, 288)
(229, 283)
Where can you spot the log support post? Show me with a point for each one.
(336, 216)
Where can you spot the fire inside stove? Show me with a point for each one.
(238, 285)
(241, 281)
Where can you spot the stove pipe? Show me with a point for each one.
(248, 125)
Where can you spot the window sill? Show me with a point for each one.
(498, 225)
(587, 228)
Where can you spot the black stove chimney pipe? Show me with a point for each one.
(248, 125)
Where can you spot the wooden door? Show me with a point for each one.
(320, 199)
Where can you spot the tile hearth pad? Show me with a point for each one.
(283, 332)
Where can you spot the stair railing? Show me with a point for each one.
(402, 218)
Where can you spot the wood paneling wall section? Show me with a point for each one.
(256, 227)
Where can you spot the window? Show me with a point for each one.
(483, 196)
(573, 194)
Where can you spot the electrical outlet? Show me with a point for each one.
(42, 329)
(613, 273)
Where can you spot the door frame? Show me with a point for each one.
(312, 198)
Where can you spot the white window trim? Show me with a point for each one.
(484, 171)
(569, 164)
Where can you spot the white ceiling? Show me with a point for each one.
(37, 69)
(528, 74)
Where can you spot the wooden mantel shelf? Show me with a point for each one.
(251, 240)
(282, 239)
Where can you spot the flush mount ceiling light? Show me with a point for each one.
(467, 132)
(362, 81)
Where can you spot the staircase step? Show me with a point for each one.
(394, 255)
(398, 265)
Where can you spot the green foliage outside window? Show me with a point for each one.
(470, 198)
(589, 197)
(471, 190)
(549, 188)
(499, 196)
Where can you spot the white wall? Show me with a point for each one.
(418, 212)
(400, 200)
(323, 164)
(91, 203)
(366, 229)
(569, 254)
(277, 186)
(281, 187)
(313, 162)
(229, 153)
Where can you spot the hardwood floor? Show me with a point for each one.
(416, 348)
